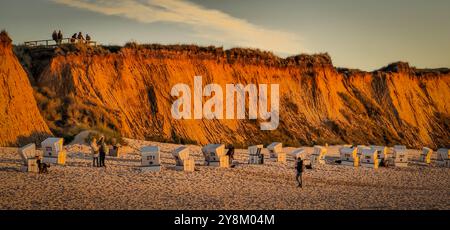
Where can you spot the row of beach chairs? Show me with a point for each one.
(375, 156)
(53, 153)
(215, 156)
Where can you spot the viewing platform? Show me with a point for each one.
(52, 43)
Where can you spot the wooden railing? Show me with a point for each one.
(53, 43)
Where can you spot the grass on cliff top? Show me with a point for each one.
(4, 38)
(67, 117)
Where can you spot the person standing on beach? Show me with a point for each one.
(230, 154)
(95, 153)
(103, 150)
(299, 166)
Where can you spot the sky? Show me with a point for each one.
(363, 34)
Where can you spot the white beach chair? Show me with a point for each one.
(215, 155)
(369, 158)
(318, 156)
(54, 152)
(276, 152)
(382, 153)
(400, 156)
(443, 157)
(425, 156)
(298, 153)
(183, 162)
(115, 151)
(150, 159)
(349, 156)
(255, 155)
(29, 158)
(274, 149)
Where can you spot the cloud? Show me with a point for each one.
(208, 24)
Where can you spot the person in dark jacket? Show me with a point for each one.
(60, 37)
(88, 39)
(74, 38)
(80, 37)
(300, 167)
(230, 153)
(103, 150)
(55, 36)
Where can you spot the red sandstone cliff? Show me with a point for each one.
(20, 120)
(128, 90)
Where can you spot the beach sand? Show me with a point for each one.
(122, 185)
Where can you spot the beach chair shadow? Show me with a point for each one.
(9, 169)
(8, 160)
(78, 164)
(115, 159)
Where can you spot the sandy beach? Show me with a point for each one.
(121, 185)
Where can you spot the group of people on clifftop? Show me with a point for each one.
(57, 37)
(76, 37)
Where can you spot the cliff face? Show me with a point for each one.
(20, 120)
(129, 91)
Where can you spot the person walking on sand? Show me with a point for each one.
(103, 151)
(299, 166)
(95, 153)
(230, 153)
